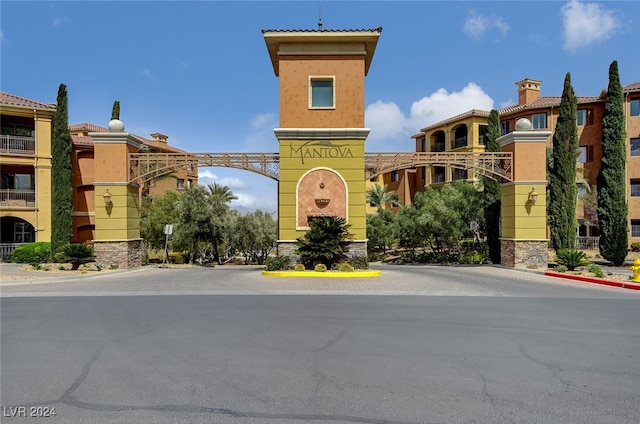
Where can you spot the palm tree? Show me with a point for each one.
(221, 193)
(379, 197)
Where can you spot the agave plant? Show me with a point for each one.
(76, 254)
(572, 258)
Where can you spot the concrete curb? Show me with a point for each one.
(328, 274)
(594, 280)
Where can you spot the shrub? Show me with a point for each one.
(76, 254)
(572, 258)
(596, 270)
(376, 257)
(345, 267)
(561, 268)
(635, 246)
(299, 267)
(277, 263)
(473, 257)
(436, 258)
(33, 253)
(358, 262)
(320, 268)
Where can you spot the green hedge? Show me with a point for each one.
(33, 253)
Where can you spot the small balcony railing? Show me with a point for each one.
(16, 145)
(438, 147)
(460, 142)
(17, 198)
(7, 249)
(588, 243)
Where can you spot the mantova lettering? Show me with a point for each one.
(320, 149)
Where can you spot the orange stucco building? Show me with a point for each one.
(25, 164)
(465, 132)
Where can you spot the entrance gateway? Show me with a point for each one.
(321, 166)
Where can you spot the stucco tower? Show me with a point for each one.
(321, 134)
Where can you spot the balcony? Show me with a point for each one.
(10, 198)
(17, 145)
(460, 142)
(438, 147)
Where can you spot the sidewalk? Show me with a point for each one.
(11, 274)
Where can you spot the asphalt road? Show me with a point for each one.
(417, 345)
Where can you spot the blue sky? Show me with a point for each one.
(199, 71)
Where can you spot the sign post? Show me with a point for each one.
(168, 230)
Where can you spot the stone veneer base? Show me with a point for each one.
(524, 253)
(120, 253)
(357, 248)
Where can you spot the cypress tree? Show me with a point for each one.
(612, 201)
(561, 204)
(492, 191)
(115, 111)
(61, 190)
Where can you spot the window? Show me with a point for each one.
(395, 176)
(23, 232)
(18, 181)
(439, 174)
(635, 228)
(482, 131)
(180, 184)
(586, 154)
(635, 107)
(424, 173)
(635, 187)
(321, 92)
(423, 145)
(504, 127)
(459, 174)
(635, 147)
(584, 117)
(539, 121)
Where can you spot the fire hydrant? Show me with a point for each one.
(636, 270)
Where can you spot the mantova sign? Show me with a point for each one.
(320, 149)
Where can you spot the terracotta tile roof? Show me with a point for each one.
(12, 100)
(632, 87)
(379, 29)
(85, 126)
(467, 114)
(81, 140)
(545, 102)
(85, 140)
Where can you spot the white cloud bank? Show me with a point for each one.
(391, 129)
(587, 23)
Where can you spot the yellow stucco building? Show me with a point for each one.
(25, 163)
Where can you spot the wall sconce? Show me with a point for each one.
(533, 196)
(107, 198)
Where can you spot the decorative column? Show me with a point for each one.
(524, 241)
(117, 202)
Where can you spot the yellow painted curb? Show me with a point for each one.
(328, 274)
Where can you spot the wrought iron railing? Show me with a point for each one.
(7, 249)
(460, 142)
(13, 144)
(17, 198)
(588, 243)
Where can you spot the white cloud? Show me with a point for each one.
(263, 120)
(476, 25)
(206, 177)
(586, 23)
(391, 129)
(60, 20)
(148, 74)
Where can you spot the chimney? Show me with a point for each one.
(160, 137)
(528, 91)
